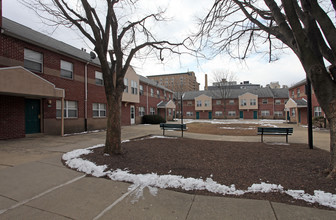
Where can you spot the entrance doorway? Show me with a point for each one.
(132, 115)
(255, 114)
(241, 114)
(197, 115)
(32, 116)
(210, 115)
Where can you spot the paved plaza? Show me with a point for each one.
(34, 184)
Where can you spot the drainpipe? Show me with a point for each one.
(86, 95)
(147, 99)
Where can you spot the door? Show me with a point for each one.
(255, 114)
(210, 115)
(299, 115)
(32, 116)
(132, 115)
(241, 114)
(197, 115)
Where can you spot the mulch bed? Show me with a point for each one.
(293, 166)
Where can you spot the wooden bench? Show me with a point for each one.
(177, 127)
(274, 131)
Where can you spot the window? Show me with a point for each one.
(265, 113)
(317, 111)
(152, 111)
(66, 69)
(189, 103)
(293, 112)
(199, 103)
(99, 110)
(126, 85)
(134, 87)
(243, 102)
(278, 102)
(293, 94)
(141, 90)
(169, 112)
(33, 60)
(158, 93)
(152, 92)
(218, 113)
(206, 103)
(232, 113)
(165, 95)
(189, 113)
(141, 111)
(218, 102)
(278, 113)
(70, 109)
(99, 78)
(231, 102)
(253, 102)
(264, 101)
(298, 92)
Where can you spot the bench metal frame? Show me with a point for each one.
(178, 127)
(274, 131)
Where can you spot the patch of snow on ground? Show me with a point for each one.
(262, 122)
(153, 181)
(233, 128)
(84, 132)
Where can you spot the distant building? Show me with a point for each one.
(274, 85)
(177, 82)
(234, 85)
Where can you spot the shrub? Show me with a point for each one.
(152, 119)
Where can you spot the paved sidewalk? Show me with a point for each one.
(34, 184)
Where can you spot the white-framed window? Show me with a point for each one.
(189, 103)
(141, 90)
(218, 113)
(152, 92)
(33, 60)
(298, 92)
(293, 112)
(99, 110)
(158, 93)
(189, 113)
(253, 102)
(232, 113)
(231, 102)
(169, 112)
(218, 102)
(278, 101)
(206, 103)
(292, 93)
(199, 103)
(317, 111)
(165, 95)
(264, 101)
(99, 78)
(152, 111)
(66, 69)
(134, 87)
(70, 109)
(243, 102)
(141, 111)
(126, 85)
(265, 113)
(169, 96)
(278, 113)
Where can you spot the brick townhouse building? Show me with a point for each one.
(296, 107)
(39, 73)
(244, 103)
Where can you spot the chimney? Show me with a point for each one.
(206, 82)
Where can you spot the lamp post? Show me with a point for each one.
(182, 113)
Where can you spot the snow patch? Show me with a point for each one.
(154, 181)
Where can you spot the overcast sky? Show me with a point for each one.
(256, 69)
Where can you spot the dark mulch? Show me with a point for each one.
(240, 163)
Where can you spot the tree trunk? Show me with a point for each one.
(113, 132)
(332, 166)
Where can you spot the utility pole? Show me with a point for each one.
(309, 114)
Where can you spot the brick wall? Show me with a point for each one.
(12, 117)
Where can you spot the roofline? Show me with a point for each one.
(169, 74)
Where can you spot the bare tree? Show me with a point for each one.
(223, 82)
(307, 27)
(116, 40)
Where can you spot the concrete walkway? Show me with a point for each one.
(34, 184)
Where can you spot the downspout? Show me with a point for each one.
(147, 99)
(86, 95)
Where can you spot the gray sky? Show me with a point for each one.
(256, 69)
